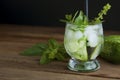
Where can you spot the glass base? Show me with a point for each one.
(87, 66)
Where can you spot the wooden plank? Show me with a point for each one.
(14, 39)
(23, 74)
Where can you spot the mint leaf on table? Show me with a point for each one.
(54, 51)
(53, 48)
(44, 59)
(61, 55)
(49, 51)
(35, 50)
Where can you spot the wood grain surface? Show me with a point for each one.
(13, 66)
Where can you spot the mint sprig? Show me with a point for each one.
(79, 19)
(49, 51)
(35, 50)
(102, 13)
(82, 20)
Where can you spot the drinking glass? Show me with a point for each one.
(83, 45)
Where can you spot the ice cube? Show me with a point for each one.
(78, 34)
(93, 40)
(88, 30)
(92, 35)
(68, 33)
(98, 28)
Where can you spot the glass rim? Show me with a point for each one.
(79, 25)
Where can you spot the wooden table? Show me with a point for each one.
(16, 38)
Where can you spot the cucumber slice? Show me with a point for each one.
(96, 52)
(76, 48)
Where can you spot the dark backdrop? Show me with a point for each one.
(48, 12)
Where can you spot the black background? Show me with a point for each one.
(48, 12)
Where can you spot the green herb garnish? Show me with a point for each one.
(48, 52)
(77, 19)
(100, 14)
(35, 50)
(82, 20)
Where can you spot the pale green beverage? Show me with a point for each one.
(83, 45)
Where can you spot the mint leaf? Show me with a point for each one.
(68, 17)
(81, 20)
(49, 51)
(73, 19)
(54, 51)
(52, 44)
(44, 58)
(61, 54)
(35, 50)
(53, 47)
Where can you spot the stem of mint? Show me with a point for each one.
(101, 13)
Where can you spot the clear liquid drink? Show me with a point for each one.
(83, 45)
